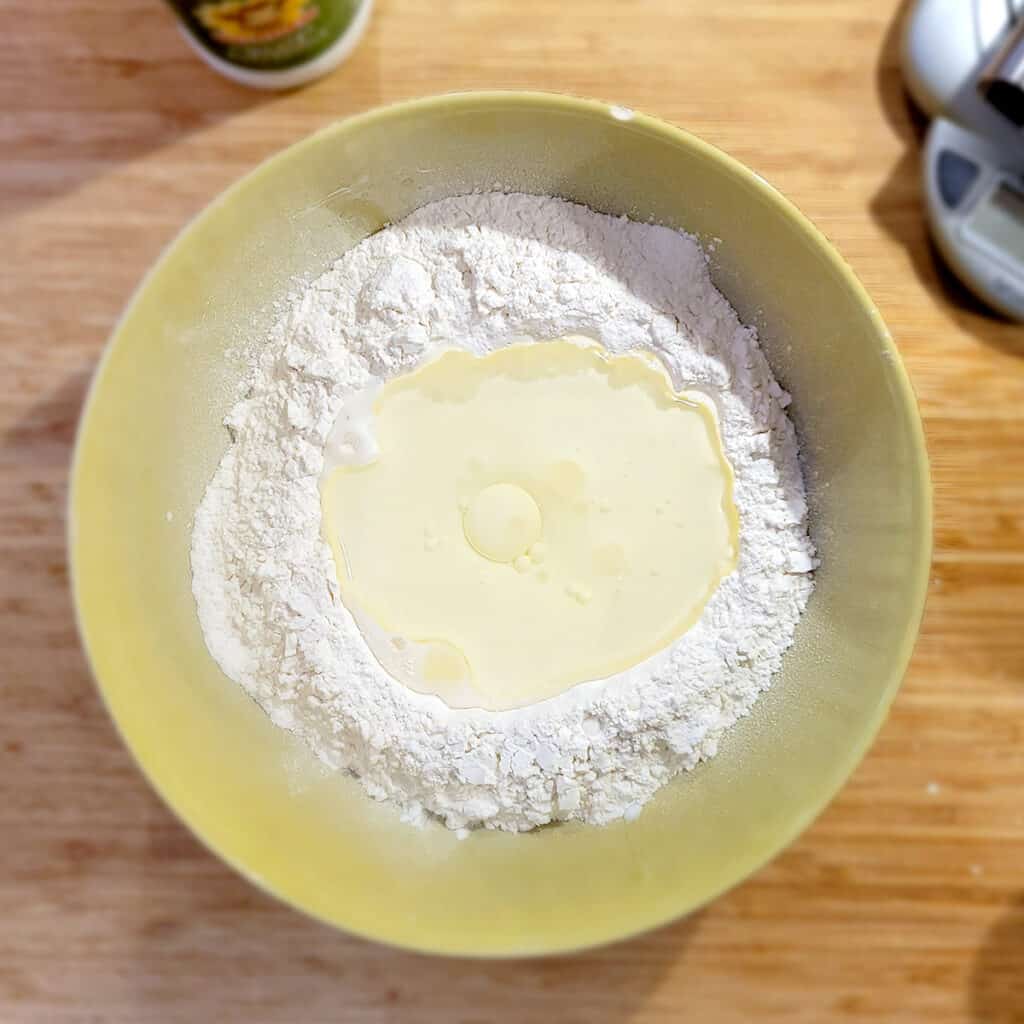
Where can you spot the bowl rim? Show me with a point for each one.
(851, 756)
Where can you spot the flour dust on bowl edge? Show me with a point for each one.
(152, 435)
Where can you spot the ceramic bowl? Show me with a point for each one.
(151, 437)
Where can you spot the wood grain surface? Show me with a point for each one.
(904, 902)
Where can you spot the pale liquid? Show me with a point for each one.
(534, 518)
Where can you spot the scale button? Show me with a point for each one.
(956, 175)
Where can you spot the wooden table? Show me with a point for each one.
(904, 902)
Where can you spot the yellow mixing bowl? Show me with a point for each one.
(151, 437)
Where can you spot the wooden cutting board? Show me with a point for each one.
(904, 902)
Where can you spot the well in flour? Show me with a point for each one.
(480, 272)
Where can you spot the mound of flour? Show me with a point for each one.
(479, 271)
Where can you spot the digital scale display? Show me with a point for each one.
(999, 220)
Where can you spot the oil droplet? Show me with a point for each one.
(502, 522)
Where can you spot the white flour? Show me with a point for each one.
(479, 271)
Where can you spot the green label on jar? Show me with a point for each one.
(266, 34)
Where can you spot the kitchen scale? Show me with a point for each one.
(964, 65)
